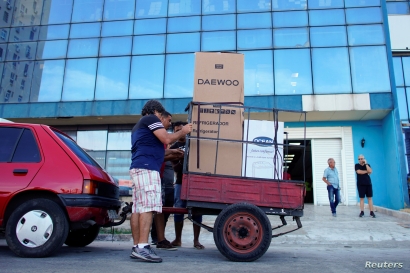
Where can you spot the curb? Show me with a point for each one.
(395, 213)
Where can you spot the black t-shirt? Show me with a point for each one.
(167, 180)
(178, 164)
(362, 179)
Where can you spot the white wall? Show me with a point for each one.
(399, 26)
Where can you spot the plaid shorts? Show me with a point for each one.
(146, 191)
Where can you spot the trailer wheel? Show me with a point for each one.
(242, 232)
(82, 237)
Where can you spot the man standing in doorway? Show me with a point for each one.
(331, 178)
(147, 139)
(364, 185)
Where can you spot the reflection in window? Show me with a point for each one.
(370, 72)
(151, 8)
(92, 140)
(260, 38)
(219, 22)
(254, 20)
(290, 37)
(184, 24)
(365, 35)
(83, 48)
(112, 78)
(247, 6)
(99, 157)
(328, 36)
(119, 140)
(87, 11)
(258, 72)
(397, 8)
(184, 42)
(150, 26)
(24, 15)
(398, 71)
(320, 4)
(179, 76)
(406, 70)
(79, 80)
(23, 50)
(85, 30)
(120, 28)
(328, 77)
(290, 19)
(47, 81)
(361, 3)
(289, 4)
(292, 72)
(184, 7)
(148, 44)
(10, 85)
(54, 32)
(59, 12)
(218, 41)
(118, 164)
(119, 9)
(218, 6)
(52, 49)
(115, 46)
(363, 16)
(402, 102)
(147, 77)
(326, 17)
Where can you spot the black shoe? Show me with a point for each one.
(372, 214)
(166, 245)
(361, 214)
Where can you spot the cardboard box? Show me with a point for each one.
(219, 79)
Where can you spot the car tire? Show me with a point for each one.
(37, 228)
(82, 237)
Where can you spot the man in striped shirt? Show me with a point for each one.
(148, 138)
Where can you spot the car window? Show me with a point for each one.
(27, 149)
(8, 139)
(84, 157)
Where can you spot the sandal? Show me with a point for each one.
(199, 246)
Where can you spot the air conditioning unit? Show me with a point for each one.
(8, 6)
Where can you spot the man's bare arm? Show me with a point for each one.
(167, 138)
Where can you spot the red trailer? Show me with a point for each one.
(242, 230)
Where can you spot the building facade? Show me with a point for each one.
(88, 67)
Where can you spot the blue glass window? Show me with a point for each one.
(406, 70)
(328, 36)
(85, 30)
(24, 51)
(4, 34)
(148, 44)
(58, 12)
(218, 6)
(289, 5)
(361, 3)
(116, 46)
(184, 42)
(112, 78)
(260, 38)
(320, 4)
(184, 7)
(24, 34)
(218, 41)
(52, 49)
(370, 72)
(54, 32)
(147, 77)
(398, 71)
(290, 19)
(290, 37)
(79, 80)
(219, 22)
(48, 81)
(331, 70)
(292, 72)
(365, 35)
(327, 17)
(83, 48)
(151, 8)
(402, 101)
(119, 10)
(249, 6)
(255, 20)
(184, 24)
(120, 28)
(179, 76)
(87, 11)
(150, 26)
(363, 16)
(397, 7)
(25, 13)
(258, 72)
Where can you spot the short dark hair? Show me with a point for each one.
(166, 114)
(151, 106)
(180, 123)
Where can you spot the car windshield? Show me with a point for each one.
(84, 157)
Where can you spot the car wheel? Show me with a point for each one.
(242, 232)
(82, 237)
(37, 228)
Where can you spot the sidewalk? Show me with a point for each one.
(319, 227)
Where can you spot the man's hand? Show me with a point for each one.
(187, 128)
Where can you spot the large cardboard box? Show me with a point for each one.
(218, 79)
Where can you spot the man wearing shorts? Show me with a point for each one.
(147, 139)
(364, 185)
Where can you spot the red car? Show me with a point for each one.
(51, 191)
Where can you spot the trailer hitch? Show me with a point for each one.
(295, 218)
(125, 210)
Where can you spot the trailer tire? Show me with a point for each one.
(242, 232)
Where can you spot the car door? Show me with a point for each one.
(20, 160)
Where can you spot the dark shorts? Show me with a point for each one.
(365, 190)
